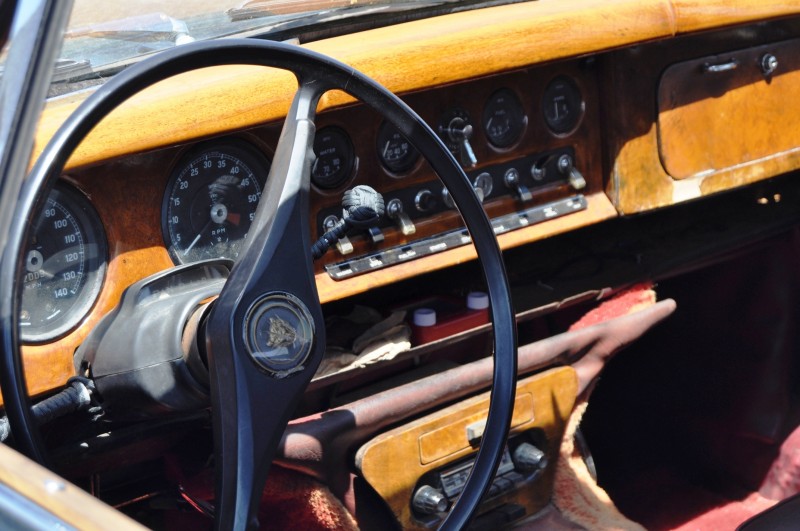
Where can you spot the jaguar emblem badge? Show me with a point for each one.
(279, 333)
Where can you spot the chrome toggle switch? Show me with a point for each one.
(567, 168)
(514, 182)
(396, 212)
(343, 245)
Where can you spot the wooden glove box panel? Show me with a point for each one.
(723, 111)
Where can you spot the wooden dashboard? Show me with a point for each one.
(615, 52)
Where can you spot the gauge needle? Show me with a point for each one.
(386, 149)
(191, 245)
(196, 239)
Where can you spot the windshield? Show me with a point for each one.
(103, 38)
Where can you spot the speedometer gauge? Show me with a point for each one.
(64, 266)
(211, 200)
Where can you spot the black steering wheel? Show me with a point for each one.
(256, 377)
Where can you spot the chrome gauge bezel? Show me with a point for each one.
(72, 211)
(179, 233)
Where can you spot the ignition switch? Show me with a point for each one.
(456, 130)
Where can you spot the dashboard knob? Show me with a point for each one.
(425, 201)
(447, 198)
(428, 500)
(529, 458)
(769, 63)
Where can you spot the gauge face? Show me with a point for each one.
(211, 200)
(335, 158)
(65, 264)
(394, 150)
(562, 105)
(503, 119)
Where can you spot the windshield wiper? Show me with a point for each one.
(148, 28)
(269, 8)
(307, 20)
(66, 69)
(317, 11)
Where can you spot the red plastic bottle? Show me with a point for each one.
(430, 323)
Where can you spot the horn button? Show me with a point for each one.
(279, 333)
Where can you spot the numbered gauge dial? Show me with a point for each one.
(65, 264)
(394, 150)
(562, 105)
(335, 158)
(211, 200)
(503, 119)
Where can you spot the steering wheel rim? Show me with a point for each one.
(316, 74)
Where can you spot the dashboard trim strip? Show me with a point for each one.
(455, 238)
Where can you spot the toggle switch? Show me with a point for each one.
(567, 168)
(396, 212)
(343, 245)
(514, 182)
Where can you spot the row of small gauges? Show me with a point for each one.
(503, 121)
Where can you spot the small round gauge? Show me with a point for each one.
(394, 150)
(503, 119)
(335, 158)
(65, 264)
(562, 105)
(211, 200)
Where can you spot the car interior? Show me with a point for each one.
(301, 258)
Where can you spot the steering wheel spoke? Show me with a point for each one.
(265, 333)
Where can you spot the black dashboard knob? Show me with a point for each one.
(425, 201)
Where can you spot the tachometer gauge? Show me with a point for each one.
(211, 200)
(503, 119)
(394, 150)
(65, 264)
(335, 158)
